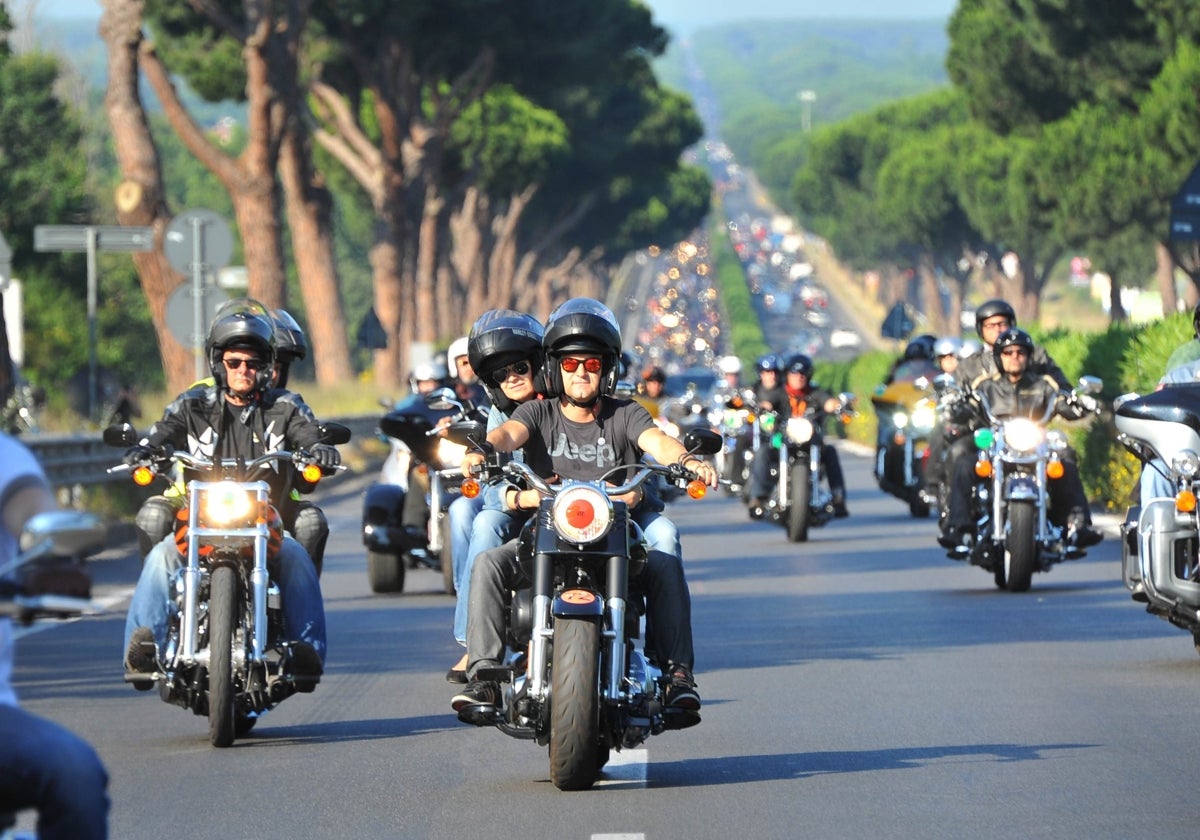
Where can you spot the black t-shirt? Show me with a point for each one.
(582, 451)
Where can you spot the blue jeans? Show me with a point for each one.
(490, 528)
(303, 608)
(50, 768)
(1153, 484)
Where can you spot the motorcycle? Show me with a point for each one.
(582, 685)
(223, 658)
(1159, 563)
(1014, 537)
(733, 415)
(801, 499)
(906, 415)
(59, 535)
(405, 522)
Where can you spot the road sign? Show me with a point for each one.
(92, 238)
(197, 236)
(180, 315)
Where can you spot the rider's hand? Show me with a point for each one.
(56, 576)
(135, 455)
(472, 459)
(1087, 402)
(703, 470)
(326, 457)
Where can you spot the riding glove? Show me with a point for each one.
(326, 456)
(137, 455)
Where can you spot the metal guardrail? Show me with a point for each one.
(71, 460)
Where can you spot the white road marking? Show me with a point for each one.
(626, 768)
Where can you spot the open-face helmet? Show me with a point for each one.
(247, 327)
(583, 326)
(499, 338)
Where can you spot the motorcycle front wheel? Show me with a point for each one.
(798, 513)
(575, 704)
(1020, 546)
(385, 572)
(222, 614)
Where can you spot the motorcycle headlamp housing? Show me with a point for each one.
(1056, 441)
(1185, 464)
(582, 514)
(227, 505)
(1022, 434)
(799, 429)
(449, 453)
(899, 419)
(923, 417)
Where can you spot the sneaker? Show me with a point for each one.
(305, 666)
(477, 693)
(681, 691)
(141, 658)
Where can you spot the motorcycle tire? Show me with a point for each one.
(918, 507)
(1020, 546)
(385, 572)
(222, 615)
(798, 505)
(446, 556)
(575, 704)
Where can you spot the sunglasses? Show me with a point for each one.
(252, 364)
(996, 325)
(515, 369)
(592, 365)
(1014, 351)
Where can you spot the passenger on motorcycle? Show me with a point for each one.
(505, 347)
(945, 353)
(239, 416)
(992, 318)
(303, 519)
(464, 377)
(580, 435)
(1017, 391)
(43, 766)
(804, 399)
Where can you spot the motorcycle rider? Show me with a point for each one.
(505, 349)
(42, 764)
(804, 398)
(1183, 370)
(915, 362)
(730, 368)
(945, 353)
(239, 416)
(464, 377)
(992, 318)
(303, 519)
(1016, 390)
(580, 434)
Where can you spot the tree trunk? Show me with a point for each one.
(309, 208)
(140, 199)
(1165, 274)
(1116, 311)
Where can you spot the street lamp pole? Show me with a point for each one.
(807, 98)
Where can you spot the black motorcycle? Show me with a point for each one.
(581, 684)
(404, 522)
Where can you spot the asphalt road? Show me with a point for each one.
(858, 685)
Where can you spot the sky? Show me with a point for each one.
(677, 15)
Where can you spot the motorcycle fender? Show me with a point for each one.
(577, 603)
(1020, 488)
(383, 506)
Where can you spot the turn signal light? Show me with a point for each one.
(697, 489)
(1185, 502)
(311, 473)
(142, 476)
(983, 469)
(470, 488)
(1054, 469)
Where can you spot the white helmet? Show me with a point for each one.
(947, 346)
(426, 371)
(458, 347)
(729, 364)
(969, 348)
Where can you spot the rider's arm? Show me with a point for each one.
(667, 450)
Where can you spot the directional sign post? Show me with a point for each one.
(196, 244)
(92, 239)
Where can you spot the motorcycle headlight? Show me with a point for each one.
(582, 514)
(1185, 464)
(1023, 435)
(227, 504)
(449, 453)
(799, 429)
(899, 419)
(923, 417)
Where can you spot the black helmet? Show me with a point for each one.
(1012, 338)
(583, 325)
(769, 362)
(655, 374)
(498, 338)
(990, 309)
(920, 347)
(290, 345)
(799, 363)
(245, 327)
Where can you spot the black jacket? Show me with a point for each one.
(1029, 396)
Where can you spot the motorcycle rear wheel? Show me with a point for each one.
(222, 605)
(1020, 546)
(385, 572)
(798, 512)
(575, 705)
